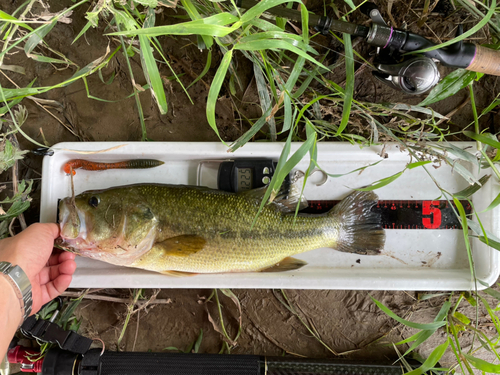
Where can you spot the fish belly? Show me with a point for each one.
(220, 255)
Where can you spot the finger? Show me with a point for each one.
(41, 229)
(48, 274)
(60, 257)
(66, 256)
(54, 288)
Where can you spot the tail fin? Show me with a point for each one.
(360, 229)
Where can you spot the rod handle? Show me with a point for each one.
(486, 61)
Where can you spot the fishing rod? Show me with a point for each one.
(408, 73)
(73, 356)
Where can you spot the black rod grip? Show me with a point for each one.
(132, 363)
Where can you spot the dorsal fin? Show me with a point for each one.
(286, 199)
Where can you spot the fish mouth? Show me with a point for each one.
(71, 222)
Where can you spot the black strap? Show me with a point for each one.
(90, 362)
(46, 331)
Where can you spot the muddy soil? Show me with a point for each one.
(347, 322)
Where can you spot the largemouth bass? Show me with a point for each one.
(177, 230)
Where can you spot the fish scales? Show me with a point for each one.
(179, 228)
(225, 221)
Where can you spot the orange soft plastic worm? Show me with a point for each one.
(71, 165)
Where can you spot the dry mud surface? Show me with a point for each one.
(346, 321)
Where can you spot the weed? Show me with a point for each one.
(299, 102)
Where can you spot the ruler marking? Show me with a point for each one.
(407, 214)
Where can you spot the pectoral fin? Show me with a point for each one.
(178, 273)
(287, 264)
(182, 246)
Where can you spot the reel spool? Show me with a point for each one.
(414, 76)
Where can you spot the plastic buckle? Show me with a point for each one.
(46, 331)
(43, 151)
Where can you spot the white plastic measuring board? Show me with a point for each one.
(411, 260)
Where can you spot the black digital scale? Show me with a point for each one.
(246, 174)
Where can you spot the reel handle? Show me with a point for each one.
(486, 60)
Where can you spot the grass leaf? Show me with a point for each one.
(418, 164)
(150, 68)
(425, 326)
(261, 7)
(382, 182)
(482, 365)
(449, 85)
(211, 26)
(291, 163)
(478, 26)
(432, 360)
(276, 44)
(491, 243)
(492, 292)
(264, 98)
(469, 190)
(349, 85)
(213, 94)
(483, 139)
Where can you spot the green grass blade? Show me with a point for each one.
(353, 171)
(483, 139)
(493, 204)
(291, 163)
(418, 164)
(211, 26)
(492, 292)
(465, 230)
(349, 85)
(82, 31)
(263, 25)
(422, 336)
(462, 154)
(463, 171)
(10, 19)
(449, 85)
(260, 8)
(264, 98)
(213, 94)
(256, 127)
(466, 34)
(482, 365)
(382, 182)
(425, 326)
(491, 243)
(37, 37)
(195, 15)
(205, 69)
(432, 360)
(296, 40)
(150, 68)
(276, 44)
(281, 162)
(468, 191)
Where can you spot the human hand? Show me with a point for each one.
(49, 270)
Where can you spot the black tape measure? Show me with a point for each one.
(407, 214)
(245, 174)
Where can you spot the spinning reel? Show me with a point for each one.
(411, 74)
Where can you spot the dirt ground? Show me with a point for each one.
(347, 321)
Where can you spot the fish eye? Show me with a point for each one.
(94, 201)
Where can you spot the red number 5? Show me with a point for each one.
(429, 208)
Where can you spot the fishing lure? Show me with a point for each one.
(70, 166)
